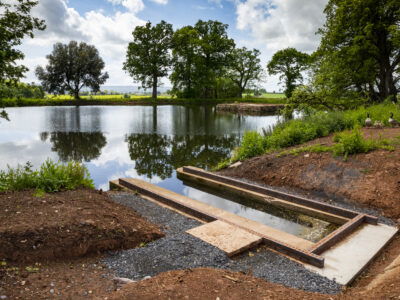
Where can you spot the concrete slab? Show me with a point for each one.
(345, 260)
(230, 239)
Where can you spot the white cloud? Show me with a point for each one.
(109, 33)
(163, 2)
(132, 5)
(282, 23)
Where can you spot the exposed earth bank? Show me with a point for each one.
(67, 224)
(371, 179)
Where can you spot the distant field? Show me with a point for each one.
(135, 100)
(106, 97)
(272, 95)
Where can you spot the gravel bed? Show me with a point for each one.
(179, 250)
(332, 200)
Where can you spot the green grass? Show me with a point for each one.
(315, 125)
(50, 177)
(127, 100)
(347, 143)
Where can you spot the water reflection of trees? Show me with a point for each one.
(77, 146)
(159, 155)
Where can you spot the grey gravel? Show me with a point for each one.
(179, 250)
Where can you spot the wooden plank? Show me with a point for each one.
(338, 235)
(262, 198)
(294, 199)
(230, 239)
(289, 244)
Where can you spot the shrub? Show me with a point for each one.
(351, 142)
(51, 177)
(252, 145)
(313, 125)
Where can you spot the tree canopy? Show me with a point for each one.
(71, 67)
(148, 57)
(16, 23)
(200, 56)
(244, 68)
(289, 63)
(360, 49)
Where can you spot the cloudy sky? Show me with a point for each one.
(268, 25)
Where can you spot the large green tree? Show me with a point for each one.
(289, 63)
(71, 67)
(244, 68)
(360, 49)
(184, 61)
(200, 56)
(148, 57)
(16, 23)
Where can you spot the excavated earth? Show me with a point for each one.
(371, 180)
(67, 224)
(43, 240)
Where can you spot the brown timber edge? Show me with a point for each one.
(304, 256)
(288, 197)
(338, 235)
(170, 202)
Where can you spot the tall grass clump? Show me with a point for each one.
(252, 145)
(311, 126)
(50, 177)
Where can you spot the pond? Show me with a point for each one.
(144, 142)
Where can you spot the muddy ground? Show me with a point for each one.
(371, 179)
(67, 224)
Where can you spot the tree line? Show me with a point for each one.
(356, 62)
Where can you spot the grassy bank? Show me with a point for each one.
(50, 177)
(129, 100)
(318, 124)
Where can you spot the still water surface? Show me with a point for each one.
(142, 142)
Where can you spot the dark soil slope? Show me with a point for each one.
(371, 179)
(67, 224)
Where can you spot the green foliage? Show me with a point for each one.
(252, 145)
(351, 142)
(359, 53)
(148, 56)
(244, 68)
(314, 125)
(71, 67)
(306, 97)
(200, 56)
(51, 177)
(16, 23)
(22, 90)
(289, 64)
(222, 165)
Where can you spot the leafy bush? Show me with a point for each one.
(252, 145)
(313, 125)
(51, 177)
(351, 142)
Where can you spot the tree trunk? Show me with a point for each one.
(155, 83)
(76, 94)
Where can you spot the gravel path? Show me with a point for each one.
(179, 250)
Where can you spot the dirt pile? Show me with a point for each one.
(371, 179)
(67, 224)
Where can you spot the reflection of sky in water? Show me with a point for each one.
(37, 133)
(142, 142)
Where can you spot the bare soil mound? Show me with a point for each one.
(205, 284)
(371, 179)
(67, 224)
